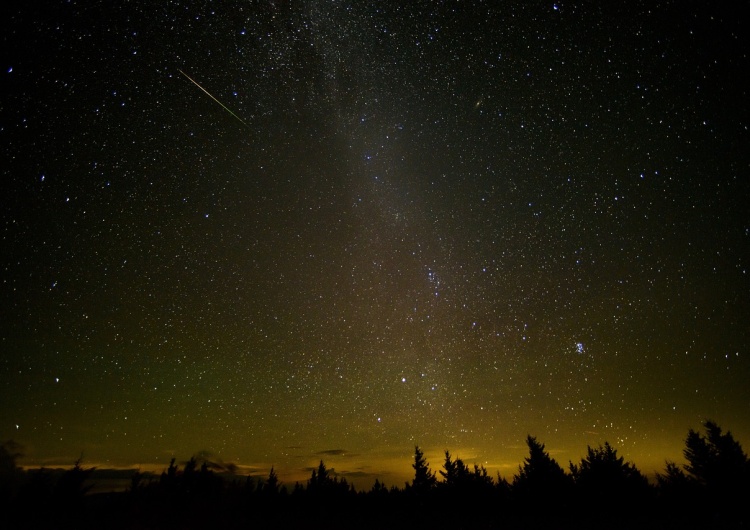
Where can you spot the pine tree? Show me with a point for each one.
(424, 479)
(607, 480)
(716, 460)
(271, 486)
(714, 483)
(541, 477)
(379, 489)
(450, 475)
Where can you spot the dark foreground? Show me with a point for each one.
(710, 491)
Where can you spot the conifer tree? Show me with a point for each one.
(541, 477)
(607, 480)
(272, 483)
(716, 460)
(424, 479)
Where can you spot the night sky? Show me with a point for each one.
(286, 231)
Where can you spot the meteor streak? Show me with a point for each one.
(216, 100)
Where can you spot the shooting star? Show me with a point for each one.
(216, 100)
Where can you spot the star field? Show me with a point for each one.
(277, 231)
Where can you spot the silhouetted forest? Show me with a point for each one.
(712, 490)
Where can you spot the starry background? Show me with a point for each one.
(440, 223)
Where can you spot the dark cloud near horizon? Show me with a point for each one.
(334, 452)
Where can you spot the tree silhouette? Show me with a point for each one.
(541, 478)
(135, 481)
(676, 489)
(271, 487)
(716, 461)
(480, 478)
(709, 491)
(502, 486)
(453, 469)
(70, 486)
(322, 483)
(715, 481)
(424, 479)
(605, 481)
(168, 478)
(319, 479)
(10, 473)
(378, 489)
(457, 476)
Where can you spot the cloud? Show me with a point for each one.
(357, 474)
(332, 452)
(252, 471)
(214, 463)
(335, 452)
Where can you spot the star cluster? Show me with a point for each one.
(439, 223)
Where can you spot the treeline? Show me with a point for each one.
(712, 490)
